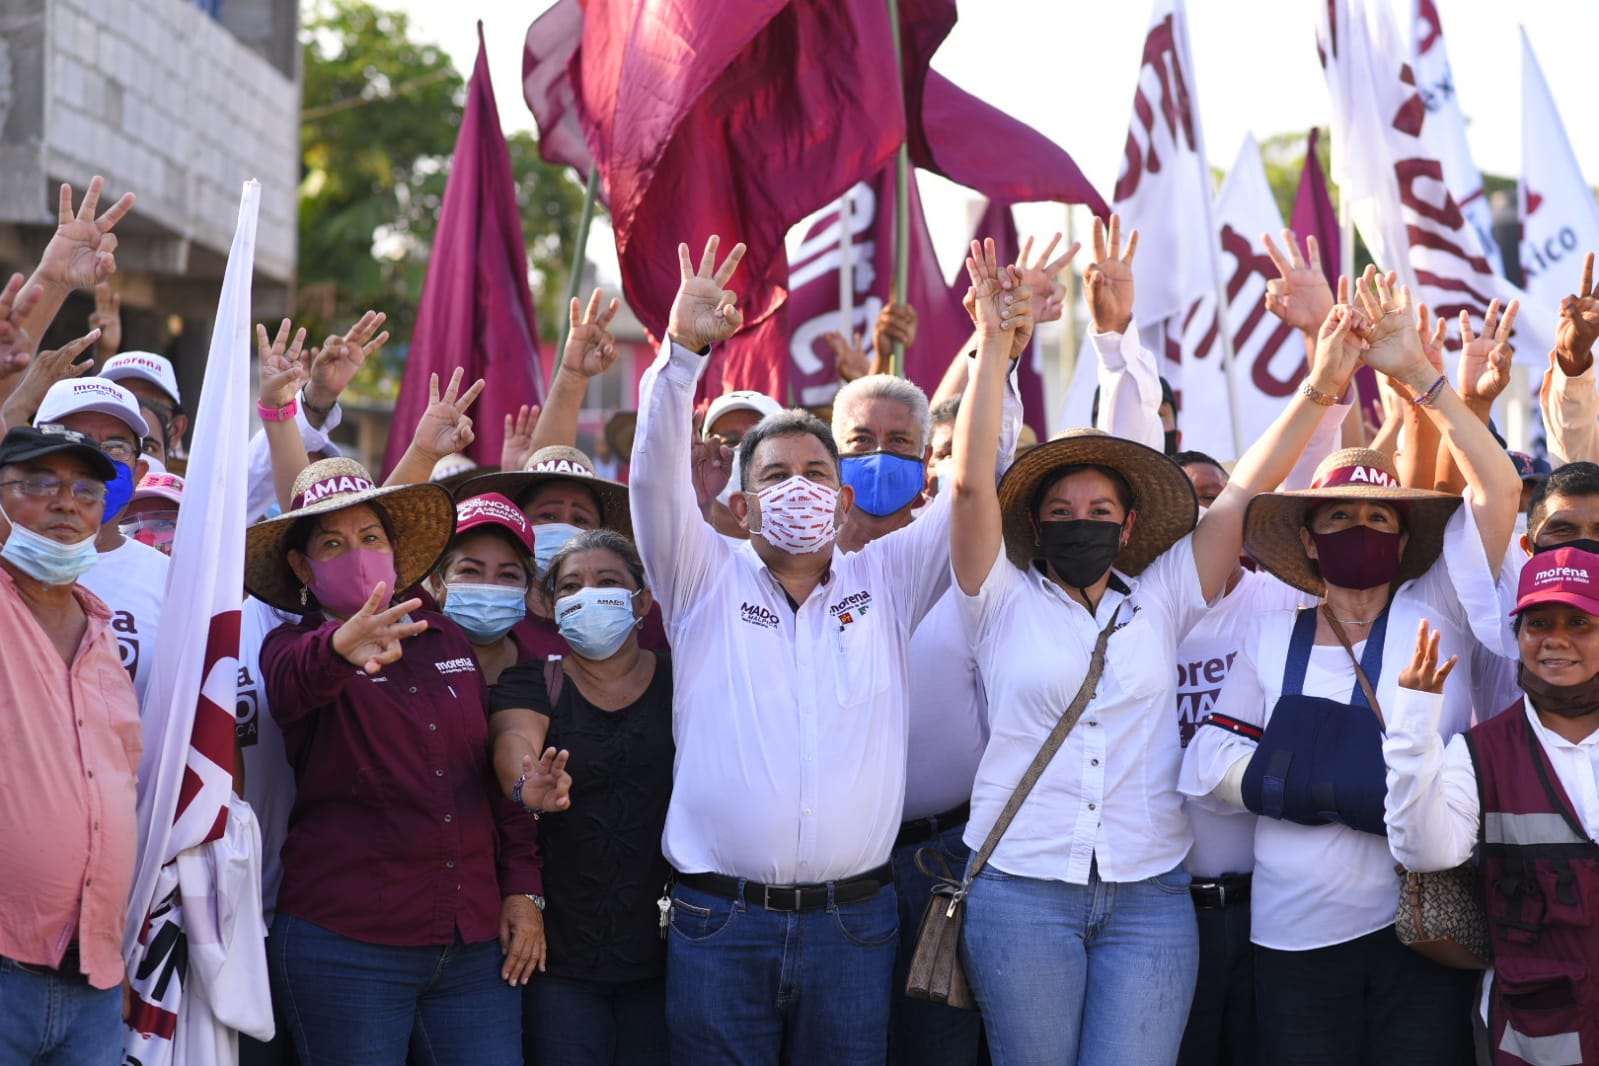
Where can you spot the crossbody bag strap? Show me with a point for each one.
(1360, 672)
(1052, 744)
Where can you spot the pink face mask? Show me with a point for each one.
(343, 583)
(797, 515)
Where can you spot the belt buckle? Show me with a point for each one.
(1221, 894)
(766, 897)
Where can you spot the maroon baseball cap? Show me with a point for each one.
(493, 509)
(1564, 575)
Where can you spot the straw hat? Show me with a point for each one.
(421, 516)
(558, 463)
(1274, 519)
(1162, 494)
(453, 471)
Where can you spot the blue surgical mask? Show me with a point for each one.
(595, 621)
(48, 560)
(118, 492)
(884, 482)
(549, 539)
(485, 612)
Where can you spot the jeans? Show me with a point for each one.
(1100, 974)
(567, 1022)
(923, 1033)
(1370, 1001)
(57, 1019)
(1221, 1023)
(350, 1003)
(756, 987)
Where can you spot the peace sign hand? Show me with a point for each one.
(284, 366)
(1579, 325)
(1300, 295)
(1424, 674)
(1485, 360)
(704, 311)
(590, 348)
(341, 357)
(1109, 278)
(370, 638)
(81, 254)
(45, 370)
(1039, 276)
(995, 300)
(546, 786)
(1392, 344)
(107, 318)
(16, 345)
(445, 427)
(849, 355)
(518, 446)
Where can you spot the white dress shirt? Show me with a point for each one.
(1110, 793)
(1433, 808)
(790, 724)
(1316, 886)
(949, 714)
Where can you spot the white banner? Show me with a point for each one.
(1559, 218)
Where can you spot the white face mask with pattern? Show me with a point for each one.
(797, 515)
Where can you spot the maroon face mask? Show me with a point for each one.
(343, 583)
(1358, 557)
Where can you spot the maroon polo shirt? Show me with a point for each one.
(399, 834)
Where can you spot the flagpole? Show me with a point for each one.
(902, 195)
(846, 270)
(579, 254)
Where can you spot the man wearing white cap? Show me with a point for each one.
(154, 384)
(131, 577)
(729, 417)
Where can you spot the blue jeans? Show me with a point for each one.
(59, 1019)
(1098, 974)
(1221, 1023)
(756, 987)
(350, 1003)
(566, 1022)
(923, 1033)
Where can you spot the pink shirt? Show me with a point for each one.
(69, 758)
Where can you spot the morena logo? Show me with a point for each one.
(1560, 573)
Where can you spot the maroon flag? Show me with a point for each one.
(552, 41)
(476, 309)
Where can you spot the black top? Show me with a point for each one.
(603, 868)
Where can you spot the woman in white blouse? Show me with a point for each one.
(1333, 984)
(1080, 942)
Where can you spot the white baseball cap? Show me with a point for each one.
(740, 400)
(148, 366)
(80, 395)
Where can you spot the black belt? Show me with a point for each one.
(792, 897)
(924, 829)
(1228, 890)
(69, 966)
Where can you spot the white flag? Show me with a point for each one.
(187, 931)
(1559, 218)
(1395, 184)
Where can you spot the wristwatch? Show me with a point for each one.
(538, 901)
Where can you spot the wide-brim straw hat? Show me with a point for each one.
(1274, 519)
(558, 463)
(453, 471)
(1162, 494)
(421, 517)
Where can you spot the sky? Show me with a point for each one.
(1068, 68)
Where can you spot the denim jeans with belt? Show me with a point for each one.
(756, 987)
(358, 1004)
(1098, 974)
(923, 1033)
(51, 1017)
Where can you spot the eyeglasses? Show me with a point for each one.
(48, 487)
(120, 451)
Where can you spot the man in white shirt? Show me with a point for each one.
(154, 383)
(130, 577)
(790, 716)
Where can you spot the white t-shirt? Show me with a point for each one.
(268, 778)
(132, 580)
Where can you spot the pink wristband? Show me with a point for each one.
(278, 414)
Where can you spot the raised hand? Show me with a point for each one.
(1339, 346)
(590, 348)
(16, 345)
(896, 323)
(994, 297)
(705, 311)
(1039, 275)
(711, 462)
(1109, 278)
(518, 446)
(45, 370)
(370, 638)
(849, 355)
(107, 318)
(1300, 295)
(341, 357)
(81, 254)
(546, 786)
(284, 364)
(445, 428)
(1579, 325)
(1485, 360)
(1432, 335)
(1392, 344)
(1425, 674)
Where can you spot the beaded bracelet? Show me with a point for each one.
(1316, 396)
(516, 797)
(1426, 399)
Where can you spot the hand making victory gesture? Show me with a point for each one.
(705, 311)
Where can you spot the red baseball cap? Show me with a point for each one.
(1564, 575)
(493, 509)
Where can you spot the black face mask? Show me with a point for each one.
(1171, 442)
(1567, 701)
(1585, 544)
(1080, 549)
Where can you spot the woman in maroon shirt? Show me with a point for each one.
(403, 922)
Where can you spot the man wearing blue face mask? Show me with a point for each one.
(131, 577)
